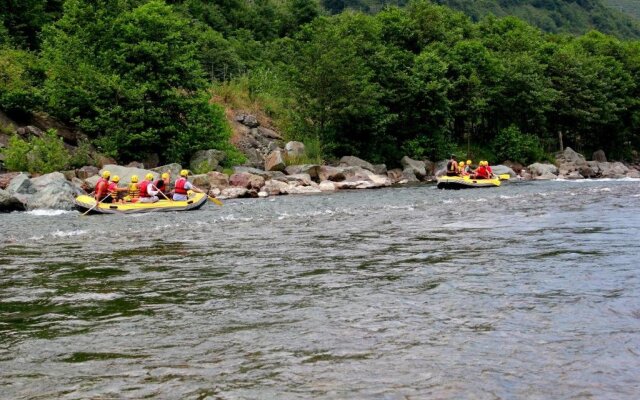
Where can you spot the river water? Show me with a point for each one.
(530, 290)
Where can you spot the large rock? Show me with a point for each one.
(248, 120)
(294, 149)
(395, 175)
(366, 178)
(440, 168)
(429, 167)
(21, 184)
(503, 169)
(201, 181)
(268, 133)
(9, 203)
(87, 171)
(380, 169)
(327, 186)
(232, 193)
(416, 166)
(328, 173)
(599, 156)
(218, 179)
(409, 176)
(6, 178)
(539, 170)
(273, 187)
(352, 161)
(274, 161)
(613, 170)
(246, 180)
(311, 169)
(53, 191)
(546, 176)
(204, 161)
(300, 179)
(173, 169)
(92, 181)
(295, 189)
(586, 171)
(125, 173)
(570, 156)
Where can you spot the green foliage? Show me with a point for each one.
(38, 155)
(20, 77)
(81, 155)
(511, 144)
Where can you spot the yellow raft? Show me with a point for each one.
(465, 182)
(195, 201)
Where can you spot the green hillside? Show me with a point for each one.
(630, 7)
(556, 16)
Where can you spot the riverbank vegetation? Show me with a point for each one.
(142, 77)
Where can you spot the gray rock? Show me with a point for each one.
(201, 181)
(69, 174)
(311, 169)
(300, 179)
(380, 169)
(327, 186)
(274, 187)
(204, 161)
(268, 133)
(250, 120)
(53, 192)
(135, 164)
(274, 161)
(294, 149)
(538, 170)
(409, 175)
(233, 193)
(87, 171)
(440, 168)
(570, 156)
(218, 180)
(546, 176)
(9, 203)
(503, 169)
(252, 171)
(328, 173)
(599, 156)
(92, 181)
(21, 184)
(246, 180)
(416, 166)
(587, 172)
(429, 167)
(352, 161)
(395, 175)
(294, 189)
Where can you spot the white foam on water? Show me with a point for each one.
(77, 232)
(49, 213)
(87, 296)
(502, 196)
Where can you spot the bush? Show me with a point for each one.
(38, 155)
(512, 144)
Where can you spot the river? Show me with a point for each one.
(530, 290)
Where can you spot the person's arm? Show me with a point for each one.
(190, 186)
(151, 191)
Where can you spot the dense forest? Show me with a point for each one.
(141, 77)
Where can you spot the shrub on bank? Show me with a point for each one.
(37, 155)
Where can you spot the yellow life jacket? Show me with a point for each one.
(134, 191)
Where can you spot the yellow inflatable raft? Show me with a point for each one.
(465, 182)
(85, 203)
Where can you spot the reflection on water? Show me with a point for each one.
(525, 291)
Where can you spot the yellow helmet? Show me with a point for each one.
(115, 178)
(165, 175)
(134, 178)
(468, 162)
(184, 172)
(485, 163)
(461, 163)
(106, 174)
(149, 176)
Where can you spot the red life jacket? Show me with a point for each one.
(102, 188)
(482, 173)
(179, 186)
(143, 188)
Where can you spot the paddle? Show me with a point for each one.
(161, 192)
(96, 205)
(213, 199)
(504, 177)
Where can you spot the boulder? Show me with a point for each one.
(201, 181)
(6, 178)
(218, 179)
(503, 169)
(429, 167)
(538, 170)
(9, 203)
(545, 176)
(515, 166)
(300, 179)
(417, 167)
(409, 176)
(253, 171)
(274, 161)
(295, 189)
(21, 184)
(633, 173)
(352, 161)
(311, 169)
(328, 173)
(53, 191)
(263, 194)
(69, 174)
(204, 161)
(395, 175)
(173, 169)
(135, 164)
(586, 171)
(232, 193)
(294, 149)
(327, 186)
(599, 156)
(248, 120)
(614, 170)
(365, 177)
(87, 171)
(274, 187)
(570, 156)
(29, 130)
(440, 168)
(246, 180)
(574, 175)
(91, 182)
(268, 133)
(380, 169)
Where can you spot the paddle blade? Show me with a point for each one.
(214, 200)
(504, 177)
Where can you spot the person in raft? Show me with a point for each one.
(101, 193)
(162, 185)
(147, 192)
(481, 171)
(182, 186)
(114, 190)
(461, 168)
(452, 166)
(467, 167)
(489, 170)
